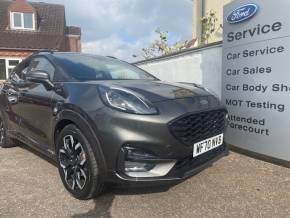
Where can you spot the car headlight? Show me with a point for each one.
(126, 100)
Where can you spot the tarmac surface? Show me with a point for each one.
(235, 186)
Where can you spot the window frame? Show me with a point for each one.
(10, 67)
(12, 26)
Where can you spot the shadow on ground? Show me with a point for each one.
(38, 154)
(102, 207)
(103, 204)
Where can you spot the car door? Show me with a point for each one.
(10, 105)
(36, 107)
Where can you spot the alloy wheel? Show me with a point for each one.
(73, 161)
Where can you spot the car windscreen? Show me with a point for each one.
(79, 67)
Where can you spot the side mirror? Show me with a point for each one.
(40, 77)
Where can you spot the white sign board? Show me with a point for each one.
(256, 76)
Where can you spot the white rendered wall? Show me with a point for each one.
(201, 66)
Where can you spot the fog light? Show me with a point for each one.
(159, 169)
(139, 163)
(131, 166)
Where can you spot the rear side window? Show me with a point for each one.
(42, 64)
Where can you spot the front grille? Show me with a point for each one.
(196, 127)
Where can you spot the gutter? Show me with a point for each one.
(26, 49)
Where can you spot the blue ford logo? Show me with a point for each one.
(242, 13)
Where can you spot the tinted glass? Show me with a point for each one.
(2, 69)
(17, 20)
(89, 68)
(42, 64)
(28, 20)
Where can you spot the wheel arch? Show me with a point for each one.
(67, 117)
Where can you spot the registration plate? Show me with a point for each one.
(207, 145)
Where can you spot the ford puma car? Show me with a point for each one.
(105, 121)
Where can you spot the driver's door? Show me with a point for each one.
(36, 107)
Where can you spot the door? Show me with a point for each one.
(36, 107)
(10, 102)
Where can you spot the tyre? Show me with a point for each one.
(77, 164)
(5, 140)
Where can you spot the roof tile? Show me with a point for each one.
(50, 31)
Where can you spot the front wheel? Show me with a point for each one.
(77, 164)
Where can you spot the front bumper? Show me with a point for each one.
(183, 169)
(152, 133)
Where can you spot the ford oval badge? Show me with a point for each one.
(242, 13)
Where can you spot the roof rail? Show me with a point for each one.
(45, 51)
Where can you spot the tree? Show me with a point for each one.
(209, 26)
(161, 46)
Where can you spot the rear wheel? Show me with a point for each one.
(5, 140)
(77, 164)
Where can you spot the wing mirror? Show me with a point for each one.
(40, 77)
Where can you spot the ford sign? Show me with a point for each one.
(242, 13)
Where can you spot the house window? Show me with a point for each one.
(23, 21)
(2, 69)
(6, 67)
(11, 64)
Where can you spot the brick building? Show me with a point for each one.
(28, 27)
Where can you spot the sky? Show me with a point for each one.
(121, 28)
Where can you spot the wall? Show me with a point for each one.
(197, 65)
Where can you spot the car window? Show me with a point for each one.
(42, 64)
(86, 68)
(119, 73)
